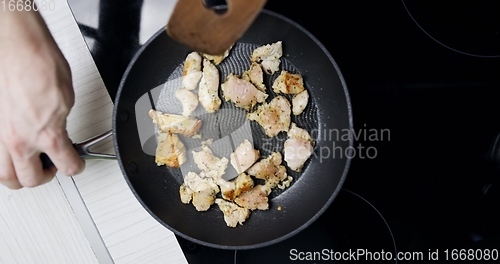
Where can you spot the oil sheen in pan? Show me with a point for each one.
(229, 126)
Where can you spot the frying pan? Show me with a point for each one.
(291, 210)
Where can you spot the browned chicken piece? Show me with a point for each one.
(177, 124)
(170, 150)
(185, 193)
(191, 72)
(299, 102)
(255, 75)
(202, 200)
(242, 92)
(208, 93)
(288, 83)
(244, 156)
(274, 117)
(285, 183)
(204, 190)
(233, 214)
(217, 59)
(255, 199)
(269, 56)
(269, 169)
(231, 189)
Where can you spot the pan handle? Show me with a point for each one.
(83, 150)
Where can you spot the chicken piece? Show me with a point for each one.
(186, 194)
(207, 142)
(202, 200)
(269, 56)
(191, 72)
(269, 169)
(255, 75)
(178, 124)
(244, 156)
(274, 116)
(256, 198)
(188, 99)
(198, 182)
(285, 183)
(242, 92)
(217, 59)
(204, 190)
(233, 214)
(208, 93)
(231, 189)
(170, 150)
(288, 83)
(298, 147)
(211, 165)
(299, 102)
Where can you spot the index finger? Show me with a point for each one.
(64, 156)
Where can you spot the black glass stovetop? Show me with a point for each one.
(428, 72)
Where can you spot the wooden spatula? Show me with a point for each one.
(204, 30)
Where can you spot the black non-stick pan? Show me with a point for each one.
(152, 74)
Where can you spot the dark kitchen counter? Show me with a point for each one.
(431, 180)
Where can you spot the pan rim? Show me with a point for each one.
(275, 240)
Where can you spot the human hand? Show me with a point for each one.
(36, 95)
